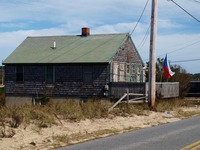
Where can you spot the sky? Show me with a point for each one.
(178, 34)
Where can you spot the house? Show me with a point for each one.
(71, 66)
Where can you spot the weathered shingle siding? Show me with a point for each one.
(10, 73)
(68, 80)
(34, 73)
(127, 53)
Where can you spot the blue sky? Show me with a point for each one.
(178, 33)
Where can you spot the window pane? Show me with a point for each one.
(19, 69)
(49, 74)
(121, 76)
(127, 68)
(19, 73)
(115, 71)
(87, 77)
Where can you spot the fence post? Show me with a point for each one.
(127, 98)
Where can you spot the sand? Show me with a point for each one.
(31, 137)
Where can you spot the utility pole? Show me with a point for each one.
(2, 73)
(152, 55)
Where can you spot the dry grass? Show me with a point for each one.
(2, 99)
(62, 140)
(185, 114)
(61, 116)
(46, 115)
(173, 104)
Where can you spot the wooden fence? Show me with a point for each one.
(163, 89)
(166, 89)
(117, 89)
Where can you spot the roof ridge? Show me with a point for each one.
(76, 35)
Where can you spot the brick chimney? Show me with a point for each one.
(85, 31)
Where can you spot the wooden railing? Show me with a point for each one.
(141, 98)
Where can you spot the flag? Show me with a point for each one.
(167, 69)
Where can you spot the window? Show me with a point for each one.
(133, 78)
(115, 71)
(121, 76)
(139, 73)
(49, 74)
(122, 72)
(127, 68)
(87, 73)
(19, 73)
(133, 69)
(87, 77)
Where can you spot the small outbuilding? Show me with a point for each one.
(71, 66)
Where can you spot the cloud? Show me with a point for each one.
(168, 24)
(178, 47)
(12, 25)
(9, 41)
(22, 18)
(62, 10)
(170, 11)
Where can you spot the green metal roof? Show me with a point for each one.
(69, 49)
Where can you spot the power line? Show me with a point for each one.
(184, 47)
(140, 17)
(196, 1)
(181, 48)
(186, 10)
(144, 39)
(198, 59)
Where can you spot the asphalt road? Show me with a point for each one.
(171, 136)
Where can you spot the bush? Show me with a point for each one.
(44, 99)
(6, 132)
(17, 118)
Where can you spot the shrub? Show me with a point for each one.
(44, 99)
(6, 132)
(17, 118)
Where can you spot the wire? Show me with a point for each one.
(196, 1)
(178, 49)
(181, 48)
(185, 11)
(144, 39)
(185, 60)
(140, 17)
